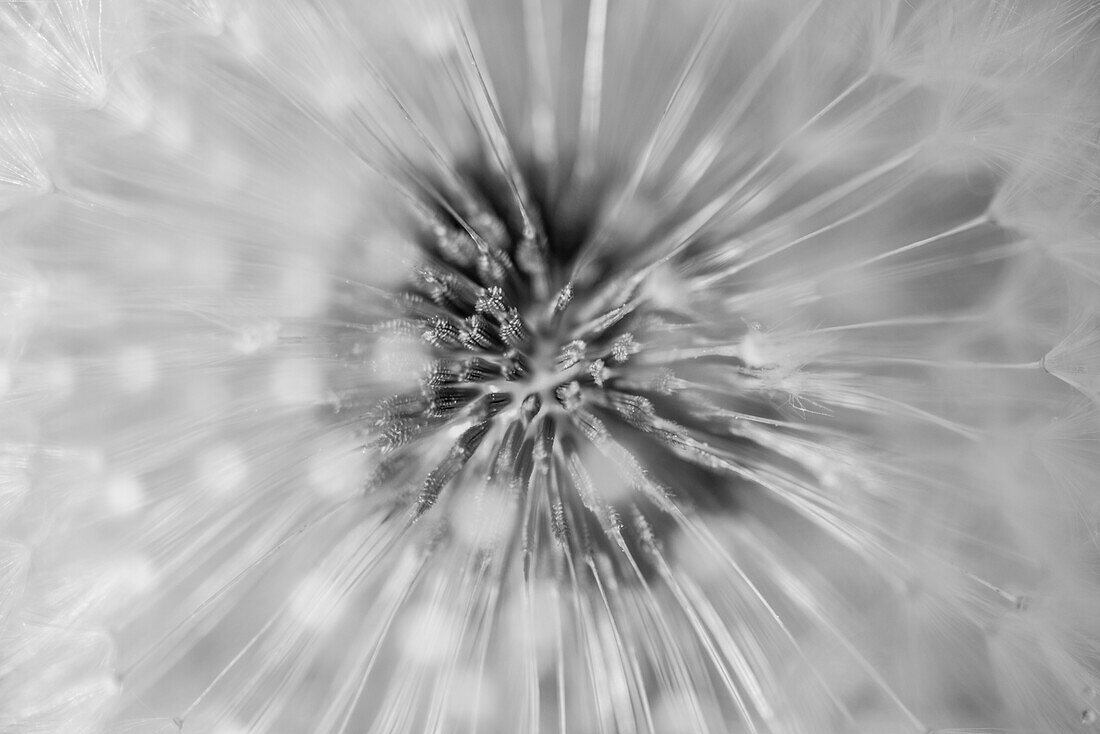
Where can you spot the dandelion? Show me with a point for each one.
(475, 366)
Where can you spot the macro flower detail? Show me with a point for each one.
(586, 366)
(532, 350)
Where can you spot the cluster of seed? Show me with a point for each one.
(537, 358)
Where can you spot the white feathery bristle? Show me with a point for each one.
(1076, 358)
(58, 55)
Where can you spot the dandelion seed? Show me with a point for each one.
(1074, 358)
(598, 367)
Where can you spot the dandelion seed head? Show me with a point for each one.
(532, 367)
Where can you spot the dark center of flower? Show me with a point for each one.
(536, 377)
